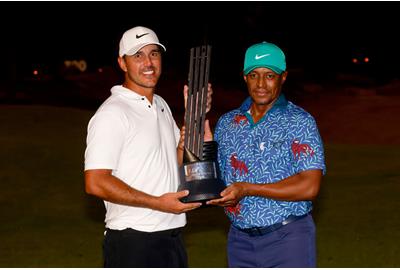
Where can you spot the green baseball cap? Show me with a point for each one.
(264, 54)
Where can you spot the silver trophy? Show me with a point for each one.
(199, 173)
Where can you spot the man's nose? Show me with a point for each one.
(260, 81)
(148, 61)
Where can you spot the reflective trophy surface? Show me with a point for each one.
(200, 172)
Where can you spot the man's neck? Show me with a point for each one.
(142, 91)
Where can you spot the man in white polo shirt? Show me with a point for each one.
(134, 148)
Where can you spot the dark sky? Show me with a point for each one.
(314, 35)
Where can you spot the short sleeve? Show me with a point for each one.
(307, 147)
(105, 139)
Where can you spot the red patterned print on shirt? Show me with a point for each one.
(238, 165)
(239, 118)
(233, 210)
(301, 148)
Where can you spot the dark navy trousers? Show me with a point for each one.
(291, 246)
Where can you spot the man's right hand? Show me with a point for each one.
(170, 203)
(209, 96)
(102, 184)
(231, 195)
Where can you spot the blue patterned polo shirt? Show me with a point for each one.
(284, 142)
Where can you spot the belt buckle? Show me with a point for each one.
(259, 231)
(256, 231)
(285, 222)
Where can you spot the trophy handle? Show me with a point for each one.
(199, 172)
(199, 72)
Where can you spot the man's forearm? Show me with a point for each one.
(299, 187)
(112, 189)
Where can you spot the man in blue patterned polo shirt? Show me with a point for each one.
(271, 157)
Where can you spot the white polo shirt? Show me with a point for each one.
(137, 141)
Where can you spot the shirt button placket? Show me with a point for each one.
(252, 147)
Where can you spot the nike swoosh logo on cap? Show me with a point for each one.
(261, 56)
(139, 36)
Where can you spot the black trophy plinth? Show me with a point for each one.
(201, 177)
(199, 173)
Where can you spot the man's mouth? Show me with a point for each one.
(148, 72)
(261, 92)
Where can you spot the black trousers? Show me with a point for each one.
(131, 248)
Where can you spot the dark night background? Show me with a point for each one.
(319, 38)
(343, 62)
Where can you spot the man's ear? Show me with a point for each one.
(122, 63)
(284, 76)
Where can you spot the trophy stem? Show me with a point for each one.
(199, 173)
(189, 156)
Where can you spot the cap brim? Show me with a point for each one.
(138, 47)
(273, 68)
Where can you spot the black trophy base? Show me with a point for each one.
(202, 190)
(201, 176)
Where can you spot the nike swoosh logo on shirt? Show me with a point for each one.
(139, 36)
(261, 56)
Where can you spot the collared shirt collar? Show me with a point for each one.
(281, 102)
(132, 95)
(121, 90)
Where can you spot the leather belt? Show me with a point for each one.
(258, 231)
(170, 232)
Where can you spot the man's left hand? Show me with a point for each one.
(230, 195)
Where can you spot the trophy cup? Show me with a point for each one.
(199, 173)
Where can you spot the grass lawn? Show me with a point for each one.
(48, 221)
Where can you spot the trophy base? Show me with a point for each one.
(201, 177)
(202, 190)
